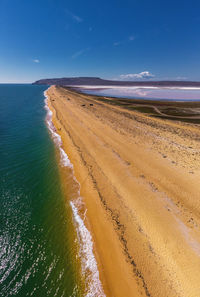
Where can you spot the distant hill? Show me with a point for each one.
(96, 81)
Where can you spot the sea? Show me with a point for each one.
(45, 247)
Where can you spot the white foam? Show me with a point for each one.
(64, 159)
(56, 137)
(89, 264)
(88, 261)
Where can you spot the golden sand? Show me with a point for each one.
(139, 179)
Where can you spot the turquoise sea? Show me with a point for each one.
(37, 233)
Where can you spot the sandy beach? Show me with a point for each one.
(139, 181)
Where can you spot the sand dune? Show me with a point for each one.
(139, 180)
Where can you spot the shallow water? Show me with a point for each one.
(154, 93)
(37, 249)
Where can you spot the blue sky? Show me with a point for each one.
(129, 39)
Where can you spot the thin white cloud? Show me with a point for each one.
(79, 53)
(36, 60)
(181, 78)
(75, 17)
(117, 43)
(131, 38)
(141, 75)
(172, 78)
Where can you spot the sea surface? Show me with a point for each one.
(153, 93)
(37, 234)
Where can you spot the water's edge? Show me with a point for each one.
(88, 262)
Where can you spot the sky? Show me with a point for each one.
(111, 39)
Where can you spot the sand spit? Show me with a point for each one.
(93, 286)
(139, 179)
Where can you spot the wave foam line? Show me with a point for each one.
(87, 256)
(88, 261)
(56, 137)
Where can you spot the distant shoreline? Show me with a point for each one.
(91, 81)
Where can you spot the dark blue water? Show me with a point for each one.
(37, 255)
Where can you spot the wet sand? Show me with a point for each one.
(139, 179)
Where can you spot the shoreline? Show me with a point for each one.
(87, 259)
(133, 195)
